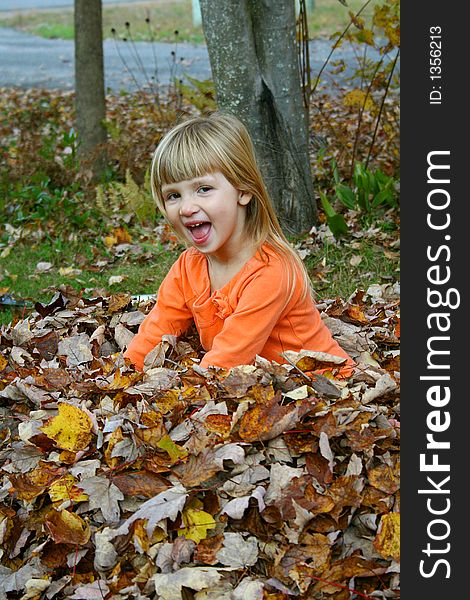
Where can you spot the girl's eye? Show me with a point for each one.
(172, 196)
(204, 188)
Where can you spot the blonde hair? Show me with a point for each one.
(220, 142)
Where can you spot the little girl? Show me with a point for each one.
(239, 281)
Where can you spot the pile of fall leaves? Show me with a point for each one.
(266, 481)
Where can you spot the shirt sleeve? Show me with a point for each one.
(170, 315)
(245, 332)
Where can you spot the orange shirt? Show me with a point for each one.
(248, 316)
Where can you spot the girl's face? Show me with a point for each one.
(209, 213)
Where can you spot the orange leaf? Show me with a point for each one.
(140, 483)
(220, 424)
(67, 528)
(30, 485)
(385, 477)
(119, 235)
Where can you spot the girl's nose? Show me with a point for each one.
(187, 206)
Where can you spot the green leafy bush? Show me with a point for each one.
(370, 192)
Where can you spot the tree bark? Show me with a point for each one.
(254, 61)
(90, 101)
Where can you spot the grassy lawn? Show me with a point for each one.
(33, 271)
(55, 228)
(327, 17)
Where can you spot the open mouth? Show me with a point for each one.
(199, 231)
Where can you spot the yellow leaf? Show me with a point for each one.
(65, 489)
(70, 429)
(115, 437)
(366, 36)
(393, 34)
(357, 98)
(69, 271)
(176, 452)
(141, 537)
(119, 235)
(197, 522)
(110, 241)
(168, 401)
(387, 540)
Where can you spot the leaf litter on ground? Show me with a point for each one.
(256, 482)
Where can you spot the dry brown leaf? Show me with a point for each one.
(267, 421)
(67, 528)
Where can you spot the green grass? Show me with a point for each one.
(19, 278)
(331, 271)
(328, 16)
(333, 274)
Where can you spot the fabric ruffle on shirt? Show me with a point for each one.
(222, 305)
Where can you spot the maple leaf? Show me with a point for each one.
(207, 549)
(238, 552)
(65, 489)
(91, 591)
(175, 452)
(77, 349)
(140, 483)
(236, 508)
(165, 505)
(330, 464)
(103, 494)
(267, 421)
(15, 581)
(30, 485)
(250, 589)
(70, 429)
(386, 477)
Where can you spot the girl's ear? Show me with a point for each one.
(244, 197)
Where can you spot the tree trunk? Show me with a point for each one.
(89, 84)
(254, 60)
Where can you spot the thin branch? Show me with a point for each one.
(382, 107)
(336, 44)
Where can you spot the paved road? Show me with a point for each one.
(18, 5)
(31, 61)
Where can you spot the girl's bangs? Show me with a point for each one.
(184, 157)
